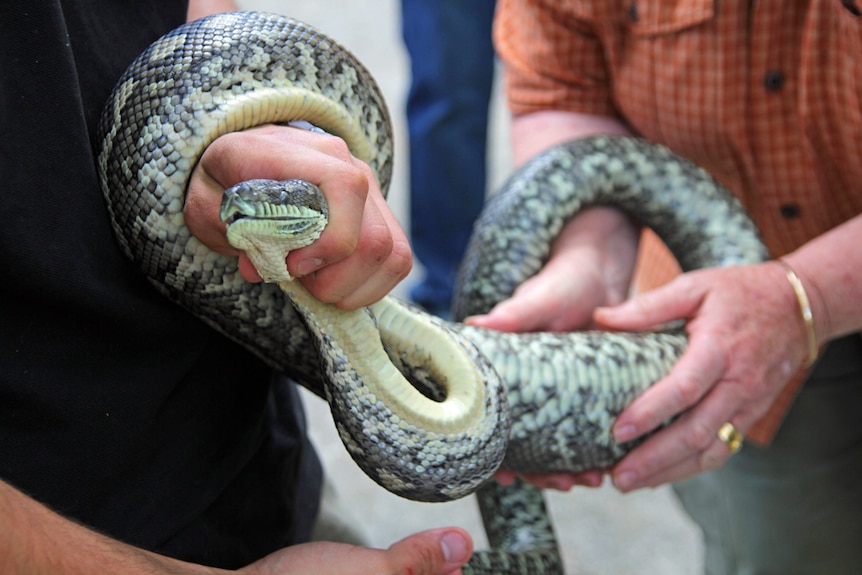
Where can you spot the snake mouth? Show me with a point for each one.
(235, 217)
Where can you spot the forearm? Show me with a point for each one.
(601, 242)
(537, 131)
(830, 267)
(532, 133)
(34, 539)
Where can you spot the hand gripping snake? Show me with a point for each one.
(428, 409)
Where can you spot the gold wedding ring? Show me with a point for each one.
(730, 436)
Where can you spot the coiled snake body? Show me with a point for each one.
(535, 402)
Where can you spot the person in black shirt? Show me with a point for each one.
(128, 444)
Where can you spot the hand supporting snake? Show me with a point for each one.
(535, 402)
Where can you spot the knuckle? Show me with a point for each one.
(688, 390)
(376, 244)
(347, 180)
(339, 246)
(710, 459)
(335, 146)
(356, 180)
(224, 151)
(400, 261)
(699, 437)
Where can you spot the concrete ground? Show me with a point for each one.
(601, 532)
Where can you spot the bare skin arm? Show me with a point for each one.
(34, 539)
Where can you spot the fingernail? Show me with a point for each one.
(456, 548)
(625, 480)
(625, 433)
(309, 266)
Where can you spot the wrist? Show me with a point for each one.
(609, 238)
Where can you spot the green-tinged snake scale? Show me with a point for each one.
(428, 409)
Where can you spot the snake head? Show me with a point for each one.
(268, 219)
(288, 200)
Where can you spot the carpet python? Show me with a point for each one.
(456, 402)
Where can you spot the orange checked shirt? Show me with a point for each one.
(767, 96)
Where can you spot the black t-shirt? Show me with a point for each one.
(117, 407)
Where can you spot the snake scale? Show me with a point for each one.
(462, 401)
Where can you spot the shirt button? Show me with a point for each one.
(790, 211)
(773, 80)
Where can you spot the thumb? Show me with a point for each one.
(435, 552)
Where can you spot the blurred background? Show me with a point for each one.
(600, 531)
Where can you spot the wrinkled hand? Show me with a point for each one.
(435, 552)
(746, 340)
(590, 264)
(363, 252)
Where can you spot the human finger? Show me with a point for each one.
(714, 457)
(680, 299)
(547, 301)
(691, 378)
(390, 273)
(280, 153)
(346, 193)
(557, 481)
(688, 438)
(689, 444)
(380, 260)
(433, 552)
(440, 551)
(723, 443)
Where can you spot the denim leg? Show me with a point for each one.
(452, 68)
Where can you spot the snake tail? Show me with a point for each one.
(521, 538)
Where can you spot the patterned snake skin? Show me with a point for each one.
(566, 390)
(234, 71)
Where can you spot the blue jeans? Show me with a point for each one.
(452, 69)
